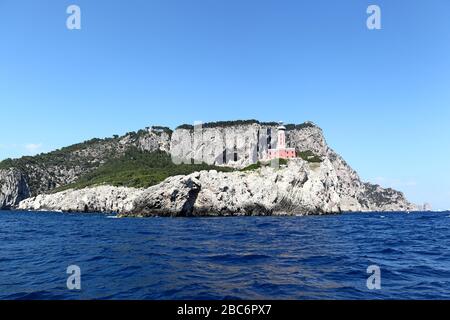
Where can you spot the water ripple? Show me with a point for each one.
(225, 258)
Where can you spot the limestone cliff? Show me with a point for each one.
(300, 188)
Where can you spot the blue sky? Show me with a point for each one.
(382, 97)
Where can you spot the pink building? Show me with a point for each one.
(281, 151)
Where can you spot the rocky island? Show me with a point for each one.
(218, 169)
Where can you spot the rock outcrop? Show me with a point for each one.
(300, 188)
(176, 196)
(13, 188)
(104, 199)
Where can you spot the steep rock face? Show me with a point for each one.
(175, 196)
(234, 146)
(218, 145)
(99, 199)
(355, 195)
(308, 137)
(13, 188)
(241, 145)
(300, 188)
(375, 198)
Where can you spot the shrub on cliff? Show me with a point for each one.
(139, 169)
(252, 167)
(259, 164)
(225, 124)
(309, 156)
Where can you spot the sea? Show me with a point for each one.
(348, 256)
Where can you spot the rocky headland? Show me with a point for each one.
(318, 181)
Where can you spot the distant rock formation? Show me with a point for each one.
(426, 207)
(330, 186)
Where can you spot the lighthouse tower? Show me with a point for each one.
(281, 151)
(281, 143)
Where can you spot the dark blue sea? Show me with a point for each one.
(315, 257)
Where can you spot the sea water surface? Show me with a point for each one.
(314, 257)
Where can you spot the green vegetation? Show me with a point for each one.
(309, 156)
(137, 134)
(84, 157)
(306, 155)
(63, 156)
(299, 126)
(99, 149)
(143, 132)
(158, 129)
(139, 169)
(7, 163)
(186, 126)
(259, 164)
(252, 167)
(225, 124)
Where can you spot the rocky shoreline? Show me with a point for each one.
(300, 188)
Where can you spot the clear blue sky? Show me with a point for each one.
(382, 97)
